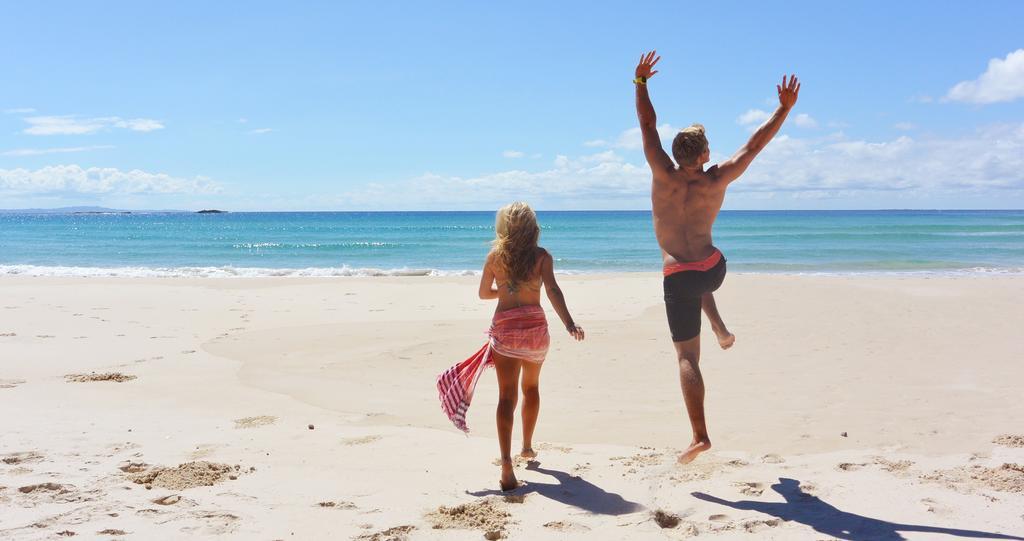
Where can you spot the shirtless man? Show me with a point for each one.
(686, 199)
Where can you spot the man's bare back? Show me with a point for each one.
(685, 205)
(685, 200)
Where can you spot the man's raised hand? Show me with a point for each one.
(645, 68)
(788, 92)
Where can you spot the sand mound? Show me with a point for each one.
(487, 515)
(107, 376)
(1005, 478)
(398, 533)
(254, 422)
(1009, 440)
(187, 475)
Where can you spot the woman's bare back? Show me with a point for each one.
(520, 294)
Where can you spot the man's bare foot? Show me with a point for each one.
(528, 453)
(508, 476)
(725, 338)
(693, 450)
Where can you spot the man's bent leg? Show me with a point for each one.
(692, 383)
(725, 338)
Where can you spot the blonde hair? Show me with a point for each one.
(689, 144)
(515, 241)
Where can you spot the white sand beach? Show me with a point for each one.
(851, 407)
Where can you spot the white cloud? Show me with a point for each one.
(260, 131)
(243, 120)
(805, 120)
(905, 126)
(631, 139)
(19, 111)
(139, 124)
(513, 154)
(987, 160)
(1002, 81)
(753, 116)
(99, 180)
(831, 168)
(73, 125)
(43, 151)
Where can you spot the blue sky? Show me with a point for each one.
(388, 105)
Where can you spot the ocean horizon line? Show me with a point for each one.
(99, 210)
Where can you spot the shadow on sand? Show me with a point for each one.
(812, 511)
(571, 490)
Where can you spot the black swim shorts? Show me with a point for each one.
(683, 289)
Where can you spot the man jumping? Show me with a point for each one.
(685, 200)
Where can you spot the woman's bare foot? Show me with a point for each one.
(693, 450)
(528, 453)
(508, 476)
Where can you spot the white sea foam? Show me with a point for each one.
(219, 272)
(329, 272)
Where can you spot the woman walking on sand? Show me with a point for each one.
(513, 273)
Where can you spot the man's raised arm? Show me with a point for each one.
(656, 156)
(731, 169)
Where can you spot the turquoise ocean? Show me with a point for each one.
(442, 243)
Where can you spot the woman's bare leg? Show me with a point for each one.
(508, 394)
(531, 405)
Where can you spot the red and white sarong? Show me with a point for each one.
(519, 332)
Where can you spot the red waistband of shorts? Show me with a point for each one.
(702, 265)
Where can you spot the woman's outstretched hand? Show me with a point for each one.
(576, 331)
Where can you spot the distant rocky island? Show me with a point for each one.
(211, 211)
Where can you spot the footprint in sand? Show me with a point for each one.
(851, 466)
(398, 533)
(750, 488)
(254, 422)
(893, 466)
(133, 467)
(360, 441)
(7, 334)
(553, 447)
(754, 526)
(10, 383)
(665, 519)
(45, 336)
(719, 517)
(170, 499)
(111, 531)
(107, 376)
(330, 504)
(563, 526)
(772, 459)
(213, 523)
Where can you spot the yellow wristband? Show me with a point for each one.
(640, 80)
